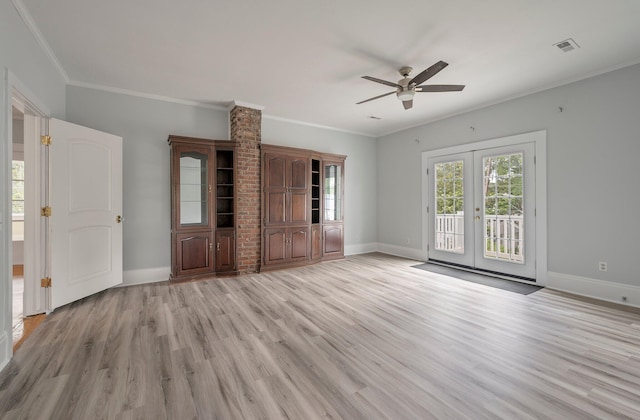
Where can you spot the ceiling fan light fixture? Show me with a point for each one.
(405, 95)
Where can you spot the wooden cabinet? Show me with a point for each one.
(333, 204)
(285, 245)
(286, 183)
(293, 223)
(202, 207)
(225, 255)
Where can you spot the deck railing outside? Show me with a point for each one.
(504, 236)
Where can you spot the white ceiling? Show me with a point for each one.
(303, 60)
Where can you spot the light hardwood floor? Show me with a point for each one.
(368, 337)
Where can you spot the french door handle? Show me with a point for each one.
(477, 217)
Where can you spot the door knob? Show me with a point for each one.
(477, 217)
(119, 219)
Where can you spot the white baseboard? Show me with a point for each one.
(400, 251)
(6, 349)
(598, 289)
(360, 248)
(145, 275)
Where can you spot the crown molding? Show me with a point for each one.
(46, 48)
(308, 124)
(235, 103)
(145, 95)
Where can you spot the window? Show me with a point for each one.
(17, 200)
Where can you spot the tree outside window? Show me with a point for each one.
(17, 199)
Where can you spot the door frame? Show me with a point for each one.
(539, 139)
(14, 90)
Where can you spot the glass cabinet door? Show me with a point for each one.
(332, 192)
(194, 189)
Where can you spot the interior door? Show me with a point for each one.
(86, 201)
(482, 209)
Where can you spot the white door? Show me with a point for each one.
(452, 179)
(482, 209)
(504, 213)
(86, 201)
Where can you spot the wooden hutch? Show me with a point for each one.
(203, 226)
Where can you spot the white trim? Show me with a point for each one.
(539, 138)
(235, 103)
(360, 248)
(146, 95)
(144, 276)
(31, 24)
(594, 288)
(324, 127)
(400, 251)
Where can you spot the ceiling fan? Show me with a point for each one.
(406, 88)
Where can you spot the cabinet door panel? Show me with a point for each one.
(275, 172)
(299, 207)
(225, 250)
(299, 244)
(333, 240)
(275, 246)
(299, 173)
(276, 207)
(316, 242)
(194, 252)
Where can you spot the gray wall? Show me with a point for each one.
(21, 55)
(360, 189)
(593, 148)
(144, 125)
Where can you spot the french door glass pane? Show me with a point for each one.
(449, 223)
(503, 207)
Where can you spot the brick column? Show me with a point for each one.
(246, 130)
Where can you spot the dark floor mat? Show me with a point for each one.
(509, 285)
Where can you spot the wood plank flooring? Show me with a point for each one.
(368, 337)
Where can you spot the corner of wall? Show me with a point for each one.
(144, 276)
(400, 251)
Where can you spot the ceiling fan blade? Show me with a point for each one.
(375, 97)
(429, 73)
(384, 82)
(439, 88)
(408, 104)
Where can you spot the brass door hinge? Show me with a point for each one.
(45, 282)
(45, 140)
(45, 211)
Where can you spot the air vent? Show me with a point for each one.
(567, 45)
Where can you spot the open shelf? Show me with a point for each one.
(224, 189)
(315, 191)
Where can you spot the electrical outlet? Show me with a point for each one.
(602, 266)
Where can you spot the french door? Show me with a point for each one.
(482, 209)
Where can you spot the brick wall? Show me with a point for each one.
(246, 129)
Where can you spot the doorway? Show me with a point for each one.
(27, 247)
(482, 203)
(17, 222)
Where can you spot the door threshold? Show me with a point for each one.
(29, 324)
(489, 273)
